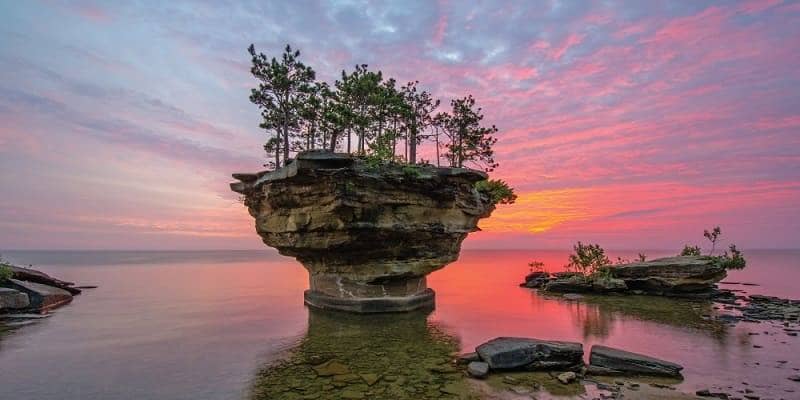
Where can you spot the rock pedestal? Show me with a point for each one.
(368, 235)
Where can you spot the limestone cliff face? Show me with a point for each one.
(361, 231)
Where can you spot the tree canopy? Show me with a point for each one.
(363, 113)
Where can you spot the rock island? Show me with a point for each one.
(368, 235)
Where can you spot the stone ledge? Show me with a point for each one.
(422, 300)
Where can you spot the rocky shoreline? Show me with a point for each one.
(563, 363)
(27, 294)
(682, 276)
(528, 354)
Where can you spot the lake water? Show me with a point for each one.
(214, 325)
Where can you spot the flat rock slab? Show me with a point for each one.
(631, 363)
(32, 275)
(42, 297)
(13, 299)
(681, 267)
(25, 316)
(530, 354)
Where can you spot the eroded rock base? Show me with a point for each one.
(423, 300)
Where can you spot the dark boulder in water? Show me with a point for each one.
(672, 275)
(535, 279)
(42, 297)
(505, 353)
(617, 361)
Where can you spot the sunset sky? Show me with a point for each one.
(632, 124)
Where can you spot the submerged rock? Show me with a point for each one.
(368, 236)
(331, 368)
(566, 377)
(624, 362)
(530, 354)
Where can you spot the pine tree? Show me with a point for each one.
(469, 141)
(417, 117)
(284, 86)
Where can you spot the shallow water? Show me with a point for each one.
(231, 325)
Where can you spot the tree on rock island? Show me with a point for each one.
(283, 90)
(366, 114)
(469, 141)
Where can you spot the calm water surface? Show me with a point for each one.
(209, 325)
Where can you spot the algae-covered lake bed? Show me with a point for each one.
(236, 328)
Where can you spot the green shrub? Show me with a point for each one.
(5, 271)
(497, 190)
(588, 258)
(690, 250)
(373, 162)
(602, 273)
(734, 260)
(536, 266)
(412, 171)
(731, 259)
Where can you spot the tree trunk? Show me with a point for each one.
(412, 146)
(333, 141)
(394, 139)
(406, 146)
(437, 146)
(348, 140)
(277, 150)
(285, 142)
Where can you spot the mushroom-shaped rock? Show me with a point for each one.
(368, 235)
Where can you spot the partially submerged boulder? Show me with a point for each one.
(687, 276)
(573, 284)
(535, 279)
(610, 361)
(672, 275)
(504, 353)
(42, 297)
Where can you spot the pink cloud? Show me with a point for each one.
(569, 42)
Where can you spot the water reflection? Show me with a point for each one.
(598, 316)
(394, 356)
